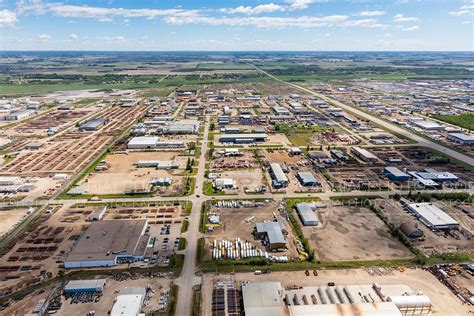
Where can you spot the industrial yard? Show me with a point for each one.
(353, 233)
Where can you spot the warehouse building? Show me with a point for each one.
(430, 175)
(98, 214)
(432, 216)
(306, 214)
(411, 230)
(107, 243)
(272, 233)
(307, 179)
(129, 302)
(279, 179)
(262, 298)
(428, 125)
(396, 174)
(461, 138)
(182, 127)
(158, 164)
(18, 115)
(224, 183)
(4, 181)
(76, 286)
(143, 142)
(242, 138)
(92, 125)
(270, 298)
(364, 154)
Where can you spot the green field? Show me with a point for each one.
(463, 120)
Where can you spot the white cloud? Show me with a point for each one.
(372, 13)
(269, 22)
(263, 8)
(44, 37)
(7, 18)
(293, 5)
(467, 9)
(73, 37)
(402, 18)
(411, 28)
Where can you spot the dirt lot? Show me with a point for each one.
(248, 179)
(353, 233)
(9, 217)
(123, 173)
(444, 302)
(240, 222)
(435, 242)
(281, 156)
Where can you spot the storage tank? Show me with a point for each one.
(419, 303)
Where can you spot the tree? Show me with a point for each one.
(212, 126)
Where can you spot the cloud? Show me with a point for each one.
(411, 28)
(401, 18)
(73, 37)
(7, 18)
(272, 22)
(293, 5)
(467, 9)
(263, 8)
(44, 37)
(372, 13)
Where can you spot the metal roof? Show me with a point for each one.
(432, 214)
(396, 172)
(307, 177)
(278, 172)
(273, 231)
(463, 137)
(306, 213)
(262, 298)
(77, 285)
(143, 141)
(373, 309)
(243, 136)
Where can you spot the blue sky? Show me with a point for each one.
(237, 25)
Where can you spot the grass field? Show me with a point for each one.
(463, 120)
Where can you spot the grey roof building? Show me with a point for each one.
(306, 214)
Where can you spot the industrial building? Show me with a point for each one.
(106, 243)
(272, 232)
(182, 127)
(158, 164)
(432, 178)
(92, 125)
(306, 214)
(224, 183)
(307, 179)
(396, 174)
(279, 179)
(98, 214)
(432, 216)
(262, 298)
(461, 138)
(270, 298)
(4, 181)
(242, 138)
(129, 302)
(428, 125)
(18, 115)
(76, 286)
(143, 142)
(363, 154)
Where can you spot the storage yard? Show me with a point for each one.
(9, 217)
(120, 174)
(238, 221)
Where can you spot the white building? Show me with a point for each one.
(224, 183)
(129, 302)
(143, 142)
(432, 216)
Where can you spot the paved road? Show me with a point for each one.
(421, 140)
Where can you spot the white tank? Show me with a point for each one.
(410, 301)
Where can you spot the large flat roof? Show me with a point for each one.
(77, 285)
(461, 136)
(278, 172)
(106, 240)
(262, 298)
(144, 140)
(243, 136)
(432, 214)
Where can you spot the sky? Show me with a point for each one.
(238, 25)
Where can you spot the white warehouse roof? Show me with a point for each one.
(262, 298)
(143, 141)
(306, 213)
(432, 216)
(129, 302)
(374, 309)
